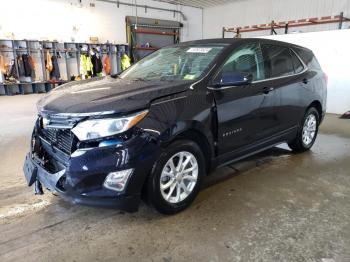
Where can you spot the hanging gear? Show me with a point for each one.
(97, 65)
(55, 73)
(20, 66)
(32, 62)
(86, 67)
(48, 61)
(2, 65)
(125, 61)
(27, 64)
(107, 65)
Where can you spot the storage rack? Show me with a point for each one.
(69, 63)
(157, 33)
(340, 19)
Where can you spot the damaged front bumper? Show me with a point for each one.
(40, 178)
(80, 177)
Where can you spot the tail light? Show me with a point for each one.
(325, 78)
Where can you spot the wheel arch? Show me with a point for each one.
(201, 140)
(316, 104)
(193, 135)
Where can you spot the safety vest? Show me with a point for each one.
(125, 61)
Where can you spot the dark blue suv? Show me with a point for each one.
(157, 129)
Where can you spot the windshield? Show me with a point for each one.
(174, 63)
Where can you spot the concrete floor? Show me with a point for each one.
(276, 206)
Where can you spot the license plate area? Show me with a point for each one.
(30, 171)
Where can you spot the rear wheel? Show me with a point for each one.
(307, 132)
(175, 180)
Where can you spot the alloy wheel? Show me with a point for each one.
(179, 177)
(309, 129)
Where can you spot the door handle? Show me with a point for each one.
(305, 81)
(267, 90)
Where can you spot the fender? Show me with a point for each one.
(169, 118)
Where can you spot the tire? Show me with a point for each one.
(171, 177)
(305, 139)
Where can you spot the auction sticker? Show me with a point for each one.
(202, 50)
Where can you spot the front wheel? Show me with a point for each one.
(307, 132)
(176, 178)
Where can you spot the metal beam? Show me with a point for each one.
(340, 19)
(118, 3)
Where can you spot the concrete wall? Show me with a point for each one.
(63, 20)
(251, 12)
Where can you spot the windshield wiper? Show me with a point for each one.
(138, 79)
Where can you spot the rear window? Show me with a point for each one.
(278, 61)
(308, 58)
(298, 66)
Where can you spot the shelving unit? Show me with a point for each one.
(339, 19)
(68, 62)
(146, 35)
(140, 31)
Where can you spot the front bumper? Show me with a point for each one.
(50, 182)
(80, 180)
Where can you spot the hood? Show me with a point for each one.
(106, 95)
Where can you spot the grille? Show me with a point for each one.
(59, 138)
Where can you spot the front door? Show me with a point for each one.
(246, 114)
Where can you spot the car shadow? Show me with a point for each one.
(219, 175)
(235, 169)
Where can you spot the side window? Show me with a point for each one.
(308, 58)
(245, 59)
(298, 66)
(278, 61)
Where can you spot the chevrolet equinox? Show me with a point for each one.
(154, 131)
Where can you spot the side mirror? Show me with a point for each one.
(234, 79)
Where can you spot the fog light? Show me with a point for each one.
(117, 180)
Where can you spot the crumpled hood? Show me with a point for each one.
(106, 94)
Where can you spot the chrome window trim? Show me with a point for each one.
(280, 77)
(301, 60)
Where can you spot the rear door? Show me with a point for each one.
(285, 70)
(246, 114)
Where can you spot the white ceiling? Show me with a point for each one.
(198, 3)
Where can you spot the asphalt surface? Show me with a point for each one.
(277, 206)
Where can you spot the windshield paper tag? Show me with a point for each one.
(202, 50)
(189, 77)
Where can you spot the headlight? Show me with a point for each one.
(97, 128)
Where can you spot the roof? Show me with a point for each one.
(230, 41)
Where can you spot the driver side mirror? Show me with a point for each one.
(233, 79)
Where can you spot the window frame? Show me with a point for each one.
(306, 68)
(299, 59)
(267, 58)
(228, 57)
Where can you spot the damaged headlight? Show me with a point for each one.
(97, 128)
